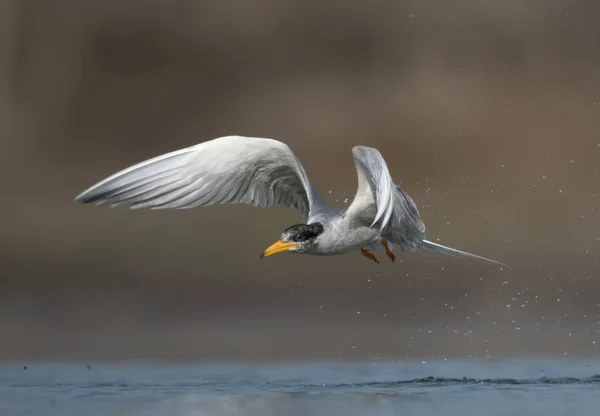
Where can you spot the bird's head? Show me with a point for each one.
(299, 238)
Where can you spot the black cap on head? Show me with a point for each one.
(303, 232)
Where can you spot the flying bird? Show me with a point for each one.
(264, 172)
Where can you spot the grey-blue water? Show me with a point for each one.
(525, 387)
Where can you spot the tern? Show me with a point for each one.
(264, 172)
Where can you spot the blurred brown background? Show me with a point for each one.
(487, 112)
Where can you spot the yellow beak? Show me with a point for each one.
(278, 247)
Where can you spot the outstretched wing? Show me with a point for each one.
(374, 200)
(232, 169)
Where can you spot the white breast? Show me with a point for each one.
(341, 236)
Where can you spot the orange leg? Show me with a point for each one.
(388, 252)
(368, 255)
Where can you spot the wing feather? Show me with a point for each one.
(374, 200)
(379, 199)
(405, 229)
(231, 169)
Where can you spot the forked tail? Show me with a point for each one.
(454, 252)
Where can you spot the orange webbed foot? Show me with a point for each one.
(368, 255)
(388, 252)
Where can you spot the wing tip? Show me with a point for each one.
(364, 149)
(83, 198)
(91, 195)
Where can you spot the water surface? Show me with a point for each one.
(459, 387)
